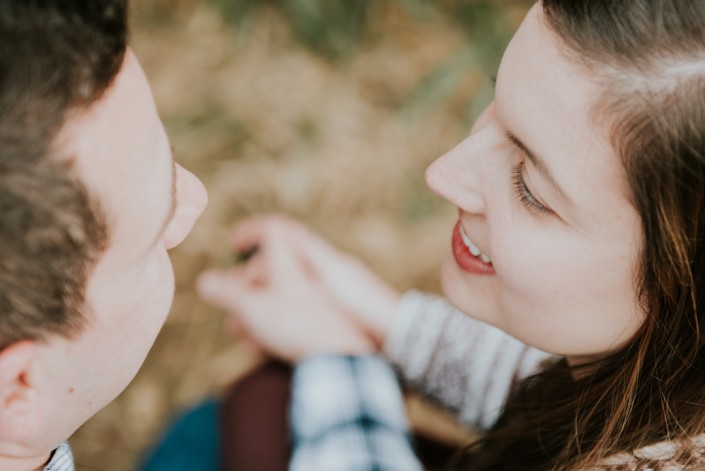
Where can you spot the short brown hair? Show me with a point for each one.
(55, 57)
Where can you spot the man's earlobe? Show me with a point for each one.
(20, 406)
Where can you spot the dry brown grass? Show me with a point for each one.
(269, 125)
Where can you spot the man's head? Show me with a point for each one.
(90, 200)
(52, 61)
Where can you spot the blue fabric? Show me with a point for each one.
(192, 442)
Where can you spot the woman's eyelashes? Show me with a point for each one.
(523, 193)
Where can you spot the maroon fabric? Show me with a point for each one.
(255, 428)
(254, 421)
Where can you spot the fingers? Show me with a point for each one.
(317, 252)
(248, 233)
(288, 242)
(235, 327)
(227, 290)
(273, 236)
(278, 255)
(275, 261)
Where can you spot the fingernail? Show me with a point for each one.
(207, 284)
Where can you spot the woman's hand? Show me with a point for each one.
(371, 300)
(280, 297)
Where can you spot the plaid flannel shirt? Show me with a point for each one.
(347, 414)
(61, 460)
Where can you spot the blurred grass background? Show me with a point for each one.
(327, 110)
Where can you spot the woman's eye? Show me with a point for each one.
(523, 193)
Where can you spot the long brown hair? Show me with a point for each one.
(649, 58)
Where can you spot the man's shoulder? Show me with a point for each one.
(61, 459)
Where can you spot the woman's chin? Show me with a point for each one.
(468, 293)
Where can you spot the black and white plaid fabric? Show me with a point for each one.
(347, 414)
(61, 460)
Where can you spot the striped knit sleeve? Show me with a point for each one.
(464, 365)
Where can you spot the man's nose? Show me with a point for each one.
(191, 200)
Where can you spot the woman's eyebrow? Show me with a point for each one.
(540, 165)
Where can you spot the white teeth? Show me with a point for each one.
(473, 248)
(468, 243)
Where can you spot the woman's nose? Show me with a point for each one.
(459, 176)
(191, 200)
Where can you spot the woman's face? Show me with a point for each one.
(542, 194)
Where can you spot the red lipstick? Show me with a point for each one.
(465, 260)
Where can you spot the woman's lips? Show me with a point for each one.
(465, 260)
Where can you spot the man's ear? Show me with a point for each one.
(21, 410)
